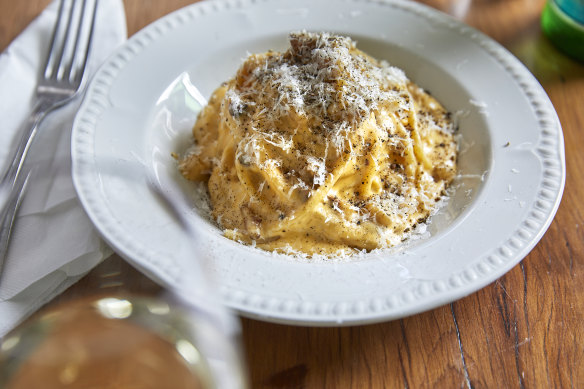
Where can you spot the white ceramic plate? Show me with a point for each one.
(141, 105)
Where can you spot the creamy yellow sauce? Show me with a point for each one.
(321, 149)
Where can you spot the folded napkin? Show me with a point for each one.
(53, 242)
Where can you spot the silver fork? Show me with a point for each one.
(61, 79)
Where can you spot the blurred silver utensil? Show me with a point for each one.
(220, 344)
(60, 80)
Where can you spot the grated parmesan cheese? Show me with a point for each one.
(322, 150)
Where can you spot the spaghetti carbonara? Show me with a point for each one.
(321, 149)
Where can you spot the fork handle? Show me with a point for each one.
(9, 214)
(28, 134)
(13, 184)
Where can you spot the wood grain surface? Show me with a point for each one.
(525, 330)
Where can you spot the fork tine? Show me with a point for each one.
(72, 72)
(71, 41)
(60, 40)
(50, 60)
(71, 31)
(85, 57)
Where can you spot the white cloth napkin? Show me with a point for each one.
(53, 242)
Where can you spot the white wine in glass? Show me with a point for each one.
(126, 342)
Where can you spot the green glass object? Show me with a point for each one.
(563, 23)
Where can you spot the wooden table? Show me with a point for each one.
(524, 330)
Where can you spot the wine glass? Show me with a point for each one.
(115, 334)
